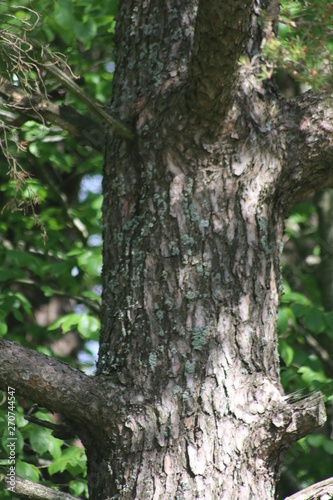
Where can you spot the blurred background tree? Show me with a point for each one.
(51, 230)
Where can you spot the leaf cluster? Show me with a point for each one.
(305, 342)
(303, 49)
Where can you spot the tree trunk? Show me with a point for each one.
(193, 225)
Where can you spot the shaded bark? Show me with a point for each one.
(214, 59)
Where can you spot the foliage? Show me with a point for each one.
(305, 341)
(304, 48)
(50, 229)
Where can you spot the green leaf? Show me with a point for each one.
(295, 297)
(7, 438)
(91, 262)
(40, 439)
(88, 325)
(55, 445)
(72, 458)
(309, 376)
(47, 290)
(66, 322)
(315, 440)
(328, 318)
(328, 446)
(86, 31)
(11, 274)
(27, 471)
(63, 16)
(300, 310)
(286, 352)
(314, 320)
(92, 296)
(79, 488)
(3, 328)
(284, 315)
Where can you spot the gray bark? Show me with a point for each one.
(193, 221)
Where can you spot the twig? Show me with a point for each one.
(60, 431)
(95, 308)
(94, 107)
(39, 107)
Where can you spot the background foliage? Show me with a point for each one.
(50, 224)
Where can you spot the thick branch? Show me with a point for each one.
(305, 132)
(53, 384)
(324, 489)
(31, 490)
(308, 412)
(81, 127)
(221, 34)
(296, 417)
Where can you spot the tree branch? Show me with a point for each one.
(78, 298)
(305, 132)
(308, 412)
(60, 431)
(55, 385)
(324, 489)
(221, 34)
(31, 490)
(81, 127)
(293, 418)
(94, 107)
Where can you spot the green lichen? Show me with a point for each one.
(161, 205)
(168, 304)
(199, 337)
(152, 360)
(189, 367)
(194, 216)
(187, 240)
(159, 314)
(176, 390)
(264, 239)
(191, 295)
(186, 396)
(189, 186)
(204, 223)
(174, 250)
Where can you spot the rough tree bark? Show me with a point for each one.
(186, 402)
